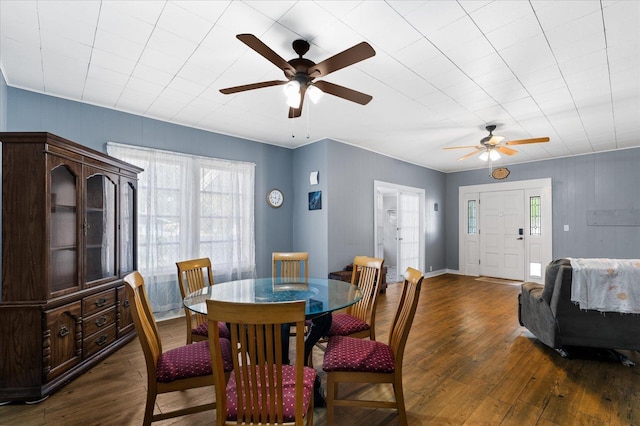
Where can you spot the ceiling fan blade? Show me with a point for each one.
(357, 53)
(505, 150)
(297, 112)
(495, 140)
(252, 86)
(471, 154)
(524, 141)
(467, 146)
(343, 92)
(264, 50)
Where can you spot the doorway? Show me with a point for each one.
(505, 229)
(399, 224)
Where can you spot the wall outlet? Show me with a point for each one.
(566, 227)
(430, 268)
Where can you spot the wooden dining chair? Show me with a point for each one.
(353, 360)
(261, 389)
(290, 266)
(359, 319)
(195, 275)
(178, 369)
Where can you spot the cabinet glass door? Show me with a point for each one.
(127, 225)
(63, 230)
(100, 227)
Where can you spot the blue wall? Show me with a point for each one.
(582, 186)
(351, 173)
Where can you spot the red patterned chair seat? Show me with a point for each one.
(352, 354)
(344, 324)
(190, 361)
(203, 330)
(288, 385)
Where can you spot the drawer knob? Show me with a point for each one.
(64, 330)
(101, 340)
(101, 321)
(126, 303)
(100, 302)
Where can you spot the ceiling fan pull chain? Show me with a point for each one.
(293, 129)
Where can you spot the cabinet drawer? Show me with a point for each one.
(98, 341)
(98, 302)
(98, 321)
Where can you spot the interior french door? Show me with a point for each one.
(408, 231)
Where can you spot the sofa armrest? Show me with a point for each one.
(534, 290)
(535, 314)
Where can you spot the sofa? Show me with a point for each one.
(548, 312)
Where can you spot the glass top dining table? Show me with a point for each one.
(322, 295)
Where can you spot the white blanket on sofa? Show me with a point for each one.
(606, 285)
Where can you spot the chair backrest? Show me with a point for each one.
(144, 321)
(290, 265)
(367, 272)
(405, 313)
(256, 333)
(191, 277)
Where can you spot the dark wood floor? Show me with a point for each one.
(468, 362)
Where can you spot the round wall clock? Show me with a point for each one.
(500, 173)
(275, 198)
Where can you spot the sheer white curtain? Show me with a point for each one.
(189, 207)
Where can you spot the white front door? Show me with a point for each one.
(502, 224)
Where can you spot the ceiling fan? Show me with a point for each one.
(491, 145)
(301, 72)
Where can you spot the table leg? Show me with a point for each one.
(319, 327)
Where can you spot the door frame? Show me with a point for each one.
(379, 187)
(538, 249)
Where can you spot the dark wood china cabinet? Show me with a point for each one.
(68, 239)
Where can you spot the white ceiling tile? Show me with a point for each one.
(497, 14)
(183, 23)
(624, 20)
(434, 15)
(455, 34)
(417, 52)
(115, 18)
(112, 62)
(531, 54)
(121, 46)
(69, 19)
(553, 13)
(152, 75)
(372, 20)
(240, 18)
(471, 51)
(514, 32)
(505, 91)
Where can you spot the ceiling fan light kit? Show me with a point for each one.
(301, 73)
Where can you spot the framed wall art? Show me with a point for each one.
(315, 200)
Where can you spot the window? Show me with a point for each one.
(472, 224)
(534, 215)
(189, 207)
